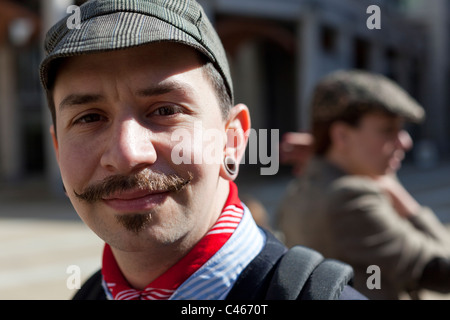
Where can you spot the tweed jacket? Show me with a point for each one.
(349, 218)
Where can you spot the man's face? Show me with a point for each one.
(377, 145)
(116, 116)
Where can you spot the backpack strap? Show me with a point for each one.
(292, 273)
(327, 281)
(254, 280)
(304, 274)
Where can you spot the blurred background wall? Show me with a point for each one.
(278, 50)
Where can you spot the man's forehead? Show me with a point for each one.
(173, 53)
(153, 63)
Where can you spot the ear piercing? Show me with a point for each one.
(230, 165)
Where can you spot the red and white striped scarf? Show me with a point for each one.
(166, 284)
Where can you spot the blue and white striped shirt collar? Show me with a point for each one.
(214, 280)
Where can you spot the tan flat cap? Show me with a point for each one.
(344, 89)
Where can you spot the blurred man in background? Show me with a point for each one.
(347, 202)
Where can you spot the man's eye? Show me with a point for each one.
(167, 110)
(89, 118)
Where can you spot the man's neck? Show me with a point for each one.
(141, 268)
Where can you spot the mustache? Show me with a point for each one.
(143, 180)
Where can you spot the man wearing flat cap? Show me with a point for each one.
(348, 203)
(128, 91)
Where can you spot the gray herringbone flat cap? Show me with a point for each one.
(362, 91)
(118, 24)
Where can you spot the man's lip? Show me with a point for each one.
(136, 201)
(132, 195)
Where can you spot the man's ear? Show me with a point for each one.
(339, 134)
(55, 142)
(237, 130)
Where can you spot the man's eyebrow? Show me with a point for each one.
(79, 99)
(166, 87)
(154, 90)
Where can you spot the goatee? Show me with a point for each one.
(134, 222)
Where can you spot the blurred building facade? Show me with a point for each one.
(278, 50)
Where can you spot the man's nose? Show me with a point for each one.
(404, 140)
(129, 147)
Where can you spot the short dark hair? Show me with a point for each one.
(218, 84)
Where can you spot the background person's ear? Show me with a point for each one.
(237, 132)
(339, 134)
